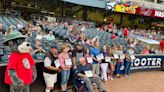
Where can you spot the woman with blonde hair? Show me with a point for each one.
(112, 63)
(65, 67)
(128, 60)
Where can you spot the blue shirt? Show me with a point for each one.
(94, 52)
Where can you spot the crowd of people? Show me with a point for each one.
(82, 60)
(148, 33)
(74, 57)
(89, 63)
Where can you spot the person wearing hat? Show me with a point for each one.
(51, 68)
(21, 71)
(128, 60)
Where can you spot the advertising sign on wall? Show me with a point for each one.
(133, 9)
(147, 62)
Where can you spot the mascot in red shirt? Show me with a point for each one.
(21, 71)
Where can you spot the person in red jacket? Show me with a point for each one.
(113, 36)
(110, 26)
(162, 45)
(126, 32)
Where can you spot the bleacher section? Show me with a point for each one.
(7, 21)
(60, 33)
(104, 37)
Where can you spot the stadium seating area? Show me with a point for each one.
(104, 37)
(7, 22)
(62, 34)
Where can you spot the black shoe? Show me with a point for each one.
(103, 91)
(63, 91)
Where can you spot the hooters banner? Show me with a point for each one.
(133, 9)
(145, 62)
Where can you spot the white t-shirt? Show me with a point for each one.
(47, 62)
(19, 26)
(39, 37)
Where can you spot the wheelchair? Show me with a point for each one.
(78, 84)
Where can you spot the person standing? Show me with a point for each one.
(129, 60)
(112, 63)
(104, 64)
(119, 61)
(65, 68)
(96, 63)
(50, 68)
(77, 54)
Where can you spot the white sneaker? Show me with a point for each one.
(126, 75)
(94, 84)
(108, 77)
(111, 78)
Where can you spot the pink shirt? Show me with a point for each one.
(62, 58)
(87, 55)
(145, 52)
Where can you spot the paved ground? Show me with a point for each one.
(136, 82)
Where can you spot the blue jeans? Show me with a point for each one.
(65, 76)
(118, 66)
(127, 67)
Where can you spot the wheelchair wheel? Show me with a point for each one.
(75, 89)
(79, 89)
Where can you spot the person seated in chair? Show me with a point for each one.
(50, 36)
(37, 48)
(85, 73)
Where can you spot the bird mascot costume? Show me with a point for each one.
(21, 70)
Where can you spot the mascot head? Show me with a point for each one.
(16, 41)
